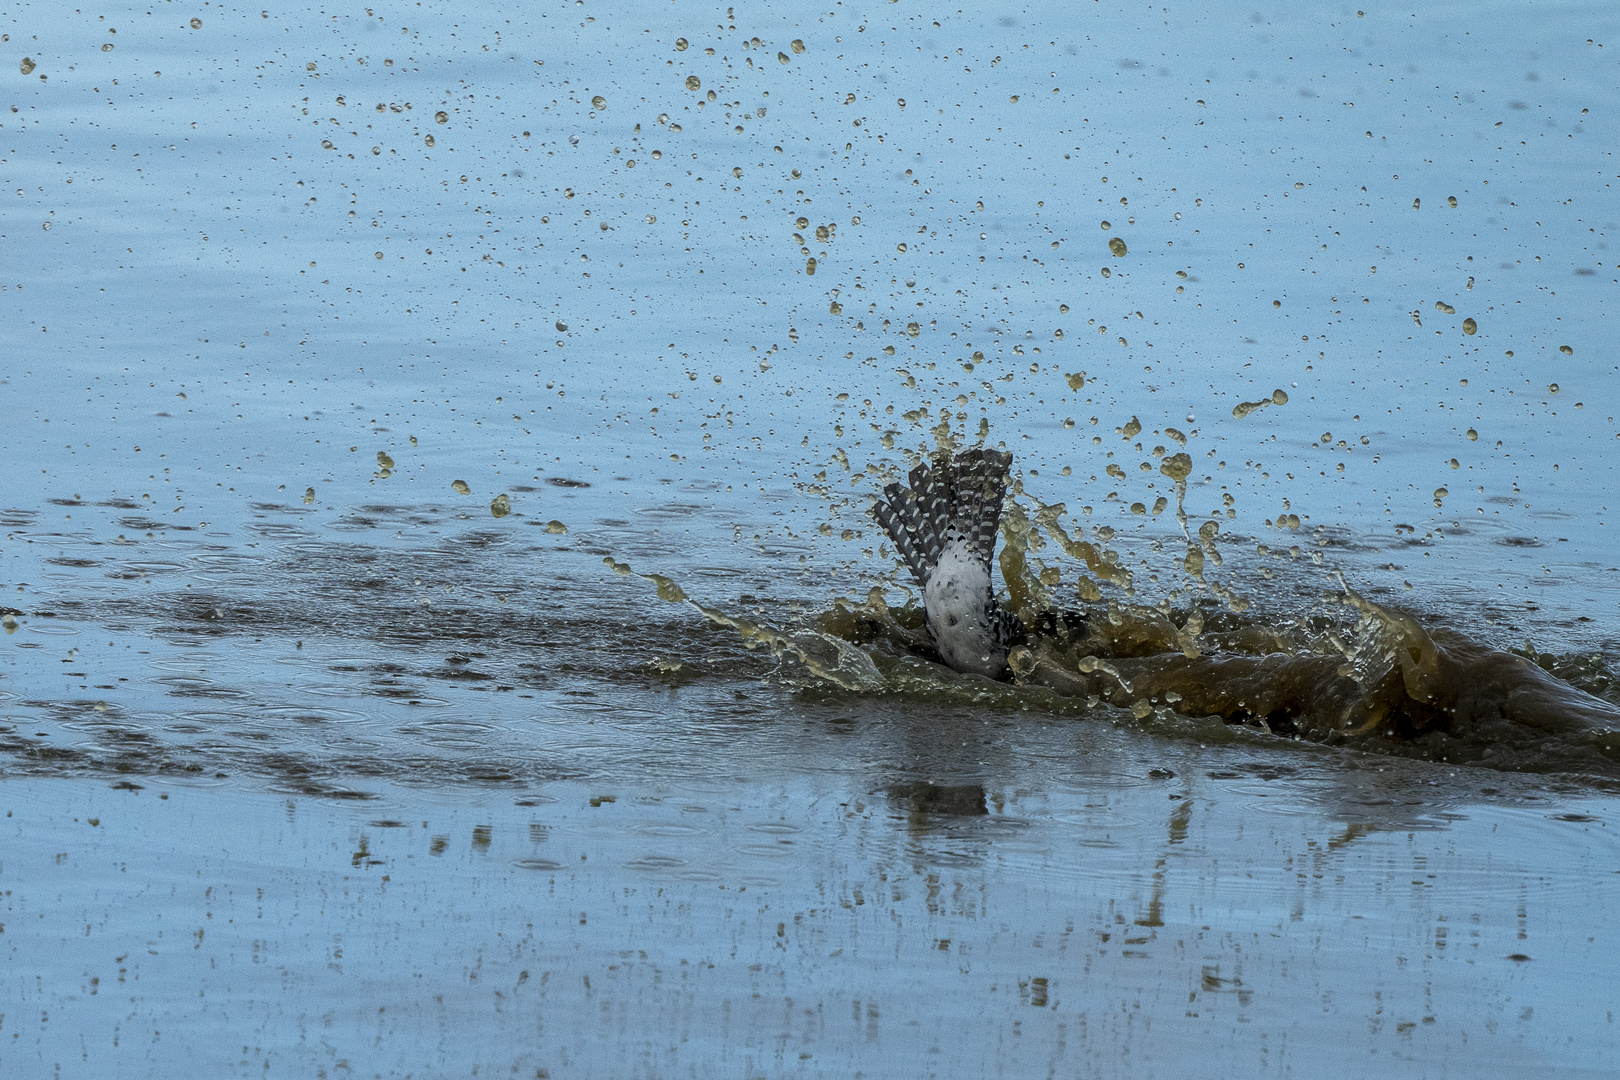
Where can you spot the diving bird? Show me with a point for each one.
(944, 525)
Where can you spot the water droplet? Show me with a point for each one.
(460, 487)
(1470, 327)
(680, 44)
(694, 83)
(1077, 380)
(797, 45)
(107, 47)
(196, 24)
(27, 66)
(835, 308)
(810, 265)
(598, 102)
(667, 589)
(1117, 246)
(384, 461)
(900, 248)
(441, 117)
(1106, 226)
(309, 496)
(1552, 388)
(500, 506)
(554, 527)
(1473, 436)
(1177, 466)
(781, 58)
(1565, 349)
(1279, 398)
(1416, 203)
(562, 327)
(8, 623)
(428, 141)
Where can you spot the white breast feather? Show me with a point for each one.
(957, 598)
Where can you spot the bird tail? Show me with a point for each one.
(949, 498)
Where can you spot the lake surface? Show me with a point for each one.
(439, 594)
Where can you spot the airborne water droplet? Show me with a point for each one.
(441, 117)
(598, 102)
(680, 44)
(309, 496)
(1117, 246)
(797, 45)
(1470, 327)
(694, 83)
(460, 487)
(554, 527)
(500, 506)
(1566, 350)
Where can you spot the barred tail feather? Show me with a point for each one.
(948, 498)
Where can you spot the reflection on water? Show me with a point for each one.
(442, 616)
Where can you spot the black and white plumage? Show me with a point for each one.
(944, 525)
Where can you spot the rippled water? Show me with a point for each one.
(340, 731)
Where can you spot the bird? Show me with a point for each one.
(944, 526)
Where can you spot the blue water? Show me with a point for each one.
(337, 714)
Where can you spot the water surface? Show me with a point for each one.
(341, 733)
